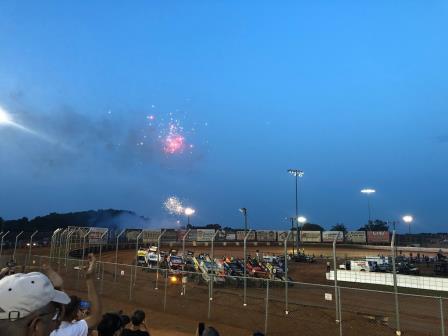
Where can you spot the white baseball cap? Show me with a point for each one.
(22, 294)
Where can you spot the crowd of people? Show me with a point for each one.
(35, 304)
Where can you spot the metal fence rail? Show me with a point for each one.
(263, 300)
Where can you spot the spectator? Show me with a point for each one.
(138, 325)
(112, 324)
(73, 324)
(210, 331)
(29, 304)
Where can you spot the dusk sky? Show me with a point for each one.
(124, 105)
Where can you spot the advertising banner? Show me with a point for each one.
(240, 236)
(358, 237)
(265, 235)
(205, 234)
(230, 236)
(169, 236)
(328, 236)
(281, 236)
(192, 236)
(150, 236)
(131, 234)
(221, 236)
(310, 236)
(95, 236)
(378, 237)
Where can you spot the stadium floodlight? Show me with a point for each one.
(368, 192)
(408, 219)
(188, 212)
(296, 173)
(301, 220)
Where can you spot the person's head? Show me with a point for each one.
(138, 317)
(29, 305)
(112, 324)
(210, 331)
(73, 309)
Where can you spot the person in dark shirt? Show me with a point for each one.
(138, 326)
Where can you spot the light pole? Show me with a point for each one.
(408, 219)
(188, 212)
(368, 192)
(302, 221)
(244, 212)
(297, 173)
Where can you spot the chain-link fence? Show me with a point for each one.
(274, 307)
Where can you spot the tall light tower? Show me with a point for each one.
(244, 212)
(408, 219)
(297, 173)
(368, 192)
(189, 212)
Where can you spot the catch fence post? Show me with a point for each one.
(1, 244)
(210, 281)
(136, 255)
(340, 311)
(245, 266)
(101, 252)
(266, 316)
(31, 246)
(53, 242)
(166, 285)
(183, 241)
(15, 246)
(131, 271)
(335, 274)
(116, 255)
(442, 318)
(397, 307)
(286, 271)
(158, 258)
(81, 261)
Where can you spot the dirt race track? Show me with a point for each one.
(363, 312)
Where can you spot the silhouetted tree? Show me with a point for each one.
(339, 227)
(376, 225)
(311, 227)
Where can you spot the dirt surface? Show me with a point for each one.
(363, 312)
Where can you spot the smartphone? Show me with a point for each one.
(201, 327)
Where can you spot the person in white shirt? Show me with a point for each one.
(72, 324)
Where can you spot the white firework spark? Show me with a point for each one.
(174, 205)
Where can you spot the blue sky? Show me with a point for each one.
(353, 93)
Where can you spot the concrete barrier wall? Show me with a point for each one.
(409, 281)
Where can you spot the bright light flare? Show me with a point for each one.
(301, 219)
(368, 191)
(408, 219)
(5, 118)
(189, 211)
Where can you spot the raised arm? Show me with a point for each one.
(96, 310)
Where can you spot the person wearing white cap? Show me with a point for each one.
(72, 323)
(30, 305)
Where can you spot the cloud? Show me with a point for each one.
(117, 140)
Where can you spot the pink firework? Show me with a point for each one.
(174, 142)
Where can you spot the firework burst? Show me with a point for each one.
(174, 205)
